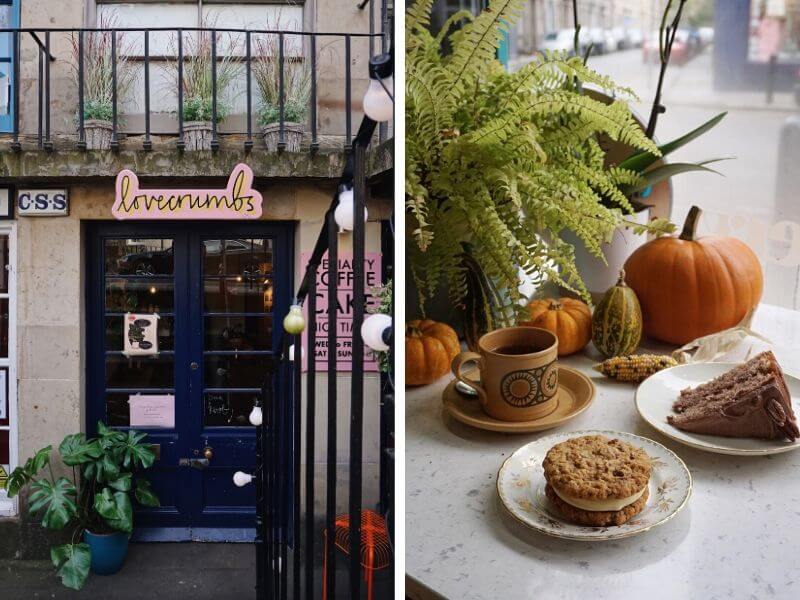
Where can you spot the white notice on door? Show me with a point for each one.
(152, 410)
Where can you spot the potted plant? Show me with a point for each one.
(95, 503)
(499, 166)
(296, 87)
(98, 88)
(197, 85)
(651, 195)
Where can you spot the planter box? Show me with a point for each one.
(97, 134)
(292, 136)
(197, 135)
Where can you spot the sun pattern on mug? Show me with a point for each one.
(528, 387)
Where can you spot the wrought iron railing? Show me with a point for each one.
(292, 46)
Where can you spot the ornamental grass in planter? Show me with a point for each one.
(499, 166)
(197, 84)
(95, 503)
(98, 88)
(296, 91)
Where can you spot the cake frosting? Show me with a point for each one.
(750, 400)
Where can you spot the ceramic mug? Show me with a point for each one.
(519, 373)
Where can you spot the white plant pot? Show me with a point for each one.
(97, 134)
(197, 135)
(292, 136)
(597, 276)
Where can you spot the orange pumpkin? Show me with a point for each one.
(568, 318)
(689, 287)
(430, 348)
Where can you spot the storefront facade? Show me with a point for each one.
(220, 288)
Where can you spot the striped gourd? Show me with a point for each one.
(617, 321)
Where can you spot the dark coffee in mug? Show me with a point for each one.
(517, 350)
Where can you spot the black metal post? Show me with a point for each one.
(333, 293)
(298, 450)
(281, 99)
(248, 144)
(40, 91)
(313, 99)
(214, 140)
(348, 109)
(285, 473)
(311, 425)
(81, 116)
(357, 375)
(147, 144)
(181, 141)
(114, 118)
(48, 143)
(261, 591)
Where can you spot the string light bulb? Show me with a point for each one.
(344, 215)
(376, 331)
(241, 479)
(256, 416)
(378, 100)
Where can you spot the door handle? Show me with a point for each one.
(195, 463)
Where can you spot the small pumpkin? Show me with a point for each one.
(568, 318)
(430, 348)
(690, 287)
(617, 320)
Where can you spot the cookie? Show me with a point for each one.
(596, 518)
(594, 467)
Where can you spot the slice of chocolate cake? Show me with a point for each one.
(750, 400)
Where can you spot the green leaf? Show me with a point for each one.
(75, 450)
(653, 176)
(145, 494)
(57, 500)
(115, 508)
(136, 454)
(73, 562)
(16, 481)
(108, 469)
(639, 161)
(122, 483)
(38, 462)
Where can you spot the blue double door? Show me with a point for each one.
(220, 292)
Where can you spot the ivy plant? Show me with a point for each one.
(505, 163)
(97, 498)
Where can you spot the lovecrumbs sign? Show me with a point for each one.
(238, 200)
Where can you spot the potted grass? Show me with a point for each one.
(95, 504)
(98, 86)
(197, 86)
(501, 166)
(297, 89)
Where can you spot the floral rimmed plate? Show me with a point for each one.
(520, 485)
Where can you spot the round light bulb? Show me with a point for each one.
(256, 416)
(344, 215)
(241, 479)
(372, 331)
(294, 322)
(378, 105)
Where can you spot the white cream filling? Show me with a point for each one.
(611, 504)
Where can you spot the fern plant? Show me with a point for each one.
(501, 164)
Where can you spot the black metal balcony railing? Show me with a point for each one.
(243, 57)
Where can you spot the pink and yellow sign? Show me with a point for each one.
(238, 200)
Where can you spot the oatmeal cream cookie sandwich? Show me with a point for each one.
(596, 481)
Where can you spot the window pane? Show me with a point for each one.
(117, 410)
(230, 371)
(115, 339)
(228, 409)
(238, 294)
(4, 327)
(238, 333)
(139, 257)
(245, 257)
(139, 372)
(4, 262)
(139, 295)
(4, 451)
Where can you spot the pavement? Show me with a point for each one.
(191, 571)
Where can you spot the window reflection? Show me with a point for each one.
(245, 257)
(228, 409)
(139, 257)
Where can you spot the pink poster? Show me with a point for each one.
(344, 313)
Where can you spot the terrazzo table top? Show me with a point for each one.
(739, 536)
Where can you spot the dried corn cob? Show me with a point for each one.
(634, 367)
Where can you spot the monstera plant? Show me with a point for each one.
(96, 500)
(499, 165)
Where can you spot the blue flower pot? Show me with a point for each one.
(108, 551)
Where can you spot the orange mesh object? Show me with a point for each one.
(376, 552)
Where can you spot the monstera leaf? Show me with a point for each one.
(57, 500)
(145, 494)
(72, 562)
(16, 481)
(115, 507)
(122, 483)
(136, 454)
(75, 450)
